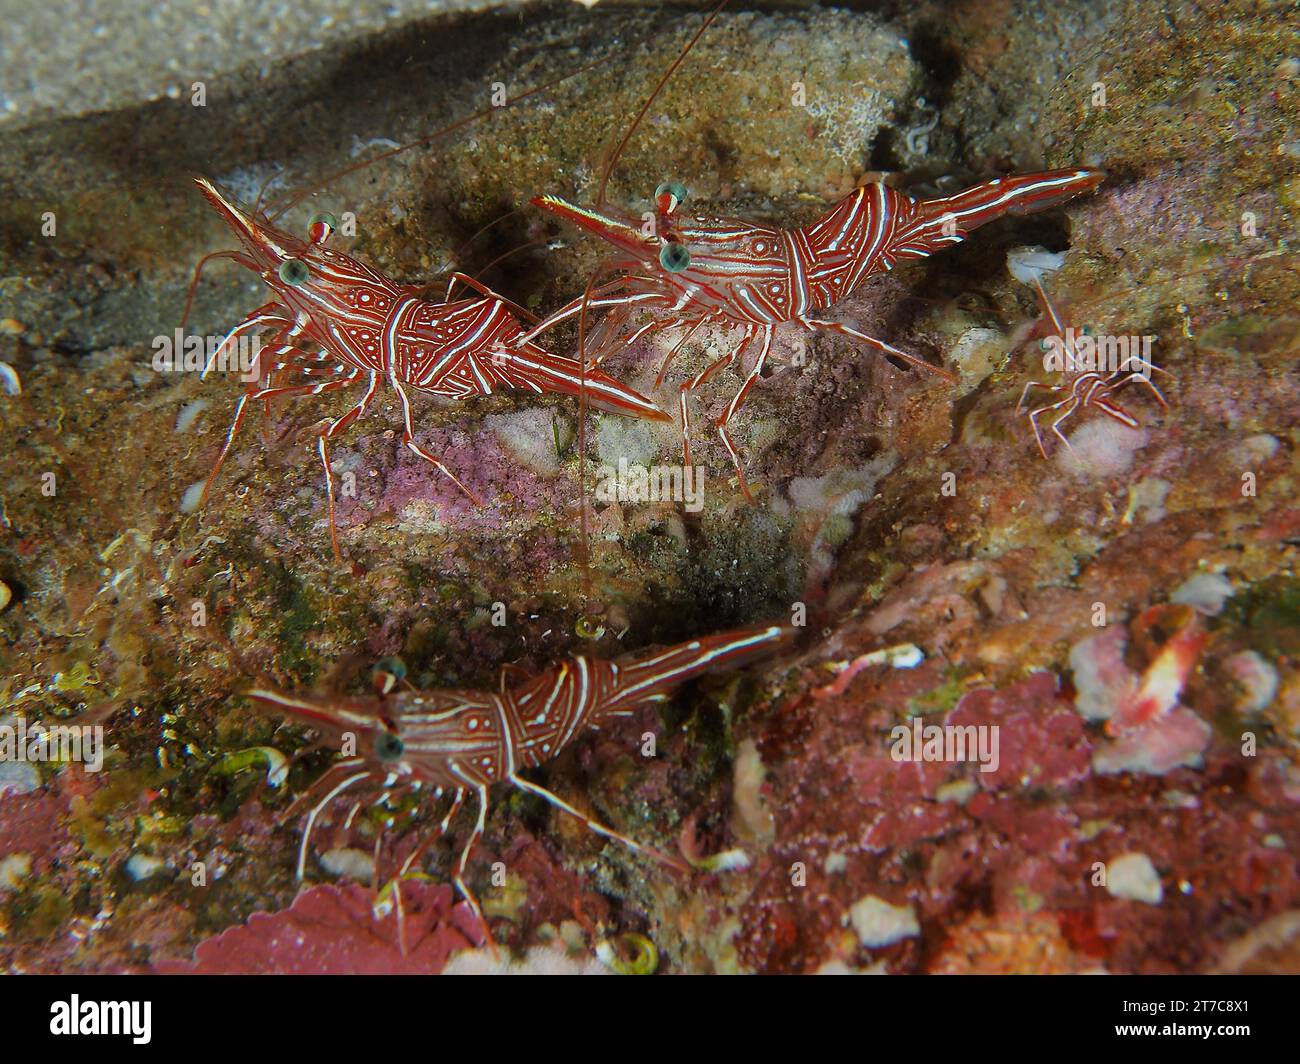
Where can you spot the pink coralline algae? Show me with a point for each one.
(901, 810)
(336, 930)
(1151, 732)
(1041, 743)
(402, 488)
(997, 865)
(36, 824)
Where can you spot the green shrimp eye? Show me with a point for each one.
(676, 190)
(387, 674)
(674, 257)
(294, 272)
(324, 218)
(388, 747)
(394, 667)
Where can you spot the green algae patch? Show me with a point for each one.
(1253, 334)
(1271, 612)
(40, 912)
(297, 618)
(942, 698)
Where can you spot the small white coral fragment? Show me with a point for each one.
(1204, 592)
(1133, 877)
(1030, 264)
(878, 923)
(1256, 678)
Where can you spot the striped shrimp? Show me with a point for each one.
(337, 323)
(1094, 363)
(688, 272)
(705, 270)
(1085, 384)
(461, 743)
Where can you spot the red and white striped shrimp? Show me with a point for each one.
(1095, 363)
(461, 743)
(336, 323)
(1085, 384)
(703, 270)
(688, 272)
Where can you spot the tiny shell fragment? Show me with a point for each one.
(1134, 877)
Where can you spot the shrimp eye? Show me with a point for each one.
(394, 667)
(388, 747)
(321, 226)
(294, 272)
(670, 195)
(674, 257)
(387, 674)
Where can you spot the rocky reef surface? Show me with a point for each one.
(1123, 614)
